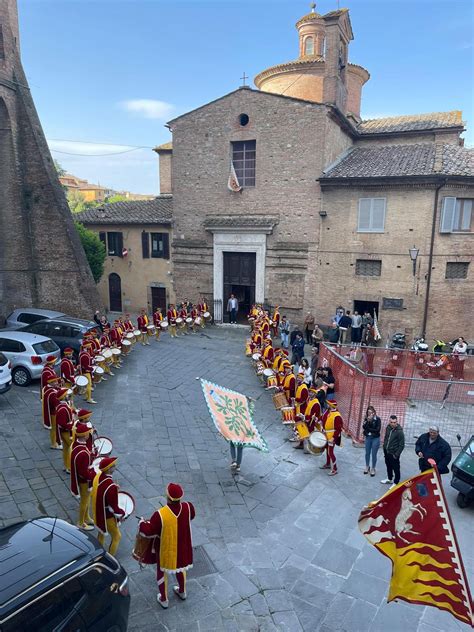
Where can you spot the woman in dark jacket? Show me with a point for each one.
(371, 426)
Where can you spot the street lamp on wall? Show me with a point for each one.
(414, 256)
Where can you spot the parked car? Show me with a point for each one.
(21, 317)
(65, 331)
(27, 354)
(57, 577)
(5, 374)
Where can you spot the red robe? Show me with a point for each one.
(49, 393)
(68, 370)
(105, 340)
(80, 467)
(46, 373)
(157, 318)
(172, 314)
(64, 417)
(142, 322)
(128, 326)
(183, 313)
(115, 337)
(312, 414)
(152, 529)
(85, 362)
(289, 385)
(106, 502)
(337, 420)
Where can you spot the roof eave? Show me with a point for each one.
(326, 182)
(411, 132)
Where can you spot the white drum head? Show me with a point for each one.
(99, 370)
(81, 380)
(164, 325)
(126, 343)
(126, 502)
(206, 314)
(150, 326)
(179, 321)
(116, 352)
(99, 358)
(189, 320)
(256, 356)
(107, 353)
(317, 439)
(129, 335)
(103, 446)
(268, 372)
(137, 333)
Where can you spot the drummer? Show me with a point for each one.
(82, 474)
(172, 315)
(128, 325)
(85, 367)
(157, 320)
(64, 425)
(142, 324)
(171, 547)
(48, 371)
(289, 381)
(68, 368)
(105, 508)
(276, 321)
(194, 315)
(183, 314)
(332, 424)
(48, 408)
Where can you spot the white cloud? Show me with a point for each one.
(149, 108)
(89, 149)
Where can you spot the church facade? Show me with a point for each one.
(323, 208)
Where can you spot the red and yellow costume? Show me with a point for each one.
(332, 425)
(50, 401)
(127, 324)
(48, 371)
(68, 368)
(64, 425)
(172, 315)
(301, 397)
(268, 354)
(142, 324)
(105, 507)
(82, 474)
(275, 321)
(157, 320)
(170, 548)
(85, 367)
(289, 384)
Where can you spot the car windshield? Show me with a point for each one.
(3, 359)
(48, 346)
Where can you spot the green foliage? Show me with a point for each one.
(60, 170)
(94, 249)
(77, 203)
(116, 198)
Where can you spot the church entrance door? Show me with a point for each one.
(239, 279)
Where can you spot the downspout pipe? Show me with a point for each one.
(441, 184)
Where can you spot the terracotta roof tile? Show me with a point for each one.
(412, 122)
(157, 211)
(404, 160)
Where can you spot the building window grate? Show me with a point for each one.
(457, 270)
(368, 267)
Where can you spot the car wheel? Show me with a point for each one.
(21, 376)
(462, 501)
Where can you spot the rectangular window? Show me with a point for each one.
(2, 49)
(368, 267)
(103, 239)
(371, 217)
(456, 215)
(243, 158)
(457, 270)
(145, 245)
(160, 245)
(114, 244)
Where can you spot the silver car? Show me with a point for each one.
(27, 354)
(21, 317)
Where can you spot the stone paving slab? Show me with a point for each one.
(282, 536)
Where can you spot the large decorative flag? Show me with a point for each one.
(377, 335)
(411, 525)
(233, 183)
(232, 416)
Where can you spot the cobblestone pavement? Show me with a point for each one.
(276, 548)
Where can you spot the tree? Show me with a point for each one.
(116, 198)
(76, 201)
(94, 249)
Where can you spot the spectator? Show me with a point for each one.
(371, 427)
(459, 357)
(431, 445)
(297, 348)
(330, 380)
(356, 328)
(393, 445)
(309, 326)
(344, 323)
(307, 373)
(334, 333)
(314, 360)
(339, 314)
(294, 333)
(232, 308)
(284, 328)
(367, 322)
(101, 321)
(317, 336)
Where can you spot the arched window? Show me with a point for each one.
(115, 292)
(309, 46)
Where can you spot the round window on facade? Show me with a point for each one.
(244, 119)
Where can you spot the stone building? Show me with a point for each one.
(137, 236)
(42, 262)
(329, 205)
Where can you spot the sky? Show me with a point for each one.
(111, 73)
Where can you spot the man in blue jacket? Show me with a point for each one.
(431, 446)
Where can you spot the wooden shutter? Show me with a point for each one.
(119, 244)
(447, 215)
(166, 246)
(145, 245)
(103, 238)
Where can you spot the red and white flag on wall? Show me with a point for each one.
(233, 182)
(377, 335)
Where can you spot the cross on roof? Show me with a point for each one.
(244, 78)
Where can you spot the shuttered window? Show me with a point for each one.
(160, 247)
(243, 158)
(371, 218)
(457, 270)
(368, 267)
(103, 239)
(145, 245)
(456, 215)
(114, 244)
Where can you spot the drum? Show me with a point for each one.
(126, 346)
(189, 320)
(126, 502)
(141, 545)
(279, 400)
(103, 446)
(256, 357)
(198, 321)
(288, 414)
(100, 360)
(150, 330)
(81, 383)
(179, 322)
(272, 382)
(317, 442)
(267, 374)
(116, 352)
(248, 349)
(97, 374)
(129, 336)
(207, 316)
(96, 463)
(260, 368)
(107, 353)
(302, 430)
(164, 325)
(137, 333)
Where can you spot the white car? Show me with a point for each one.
(21, 317)
(5, 374)
(27, 354)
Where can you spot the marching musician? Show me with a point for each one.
(82, 474)
(142, 323)
(85, 367)
(276, 321)
(332, 425)
(183, 314)
(68, 368)
(157, 320)
(268, 353)
(49, 403)
(289, 381)
(64, 425)
(105, 343)
(194, 314)
(48, 371)
(105, 507)
(128, 325)
(312, 413)
(171, 547)
(172, 315)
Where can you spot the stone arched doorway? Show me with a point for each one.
(115, 293)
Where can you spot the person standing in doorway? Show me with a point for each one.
(372, 426)
(356, 328)
(309, 326)
(393, 445)
(344, 323)
(232, 308)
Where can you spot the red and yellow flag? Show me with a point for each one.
(411, 525)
